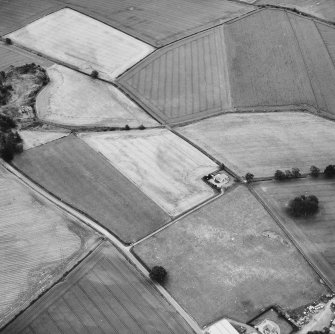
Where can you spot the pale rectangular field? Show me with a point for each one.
(162, 21)
(261, 143)
(75, 173)
(32, 138)
(315, 235)
(166, 168)
(38, 244)
(265, 63)
(12, 56)
(15, 14)
(105, 294)
(72, 98)
(230, 259)
(82, 42)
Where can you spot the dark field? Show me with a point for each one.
(161, 21)
(315, 235)
(16, 57)
(230, 259)
(14, 14)
(105, 294)
(72, 171)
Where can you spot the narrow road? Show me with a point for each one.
(122, 248)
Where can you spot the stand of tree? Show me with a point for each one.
(303, 206)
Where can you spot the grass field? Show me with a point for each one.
(261, 143)
(36, 138)
(105, 294)
(315, 235)
(184, 81)
(265, 62)
(319, 64)
(162, 21)
(328, 35)
(323, 9)
(75, 173)
(15, 57)
(166, 168)
(39, 243)
(72, 98)
(15, 14)
(230, 259)
(83, 42)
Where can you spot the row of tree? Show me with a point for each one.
(10, 140)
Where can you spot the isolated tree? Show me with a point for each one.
(303, 206)
(127, 127)
(279, 175)
(314, 171)
(329, 171)
(141, 127)
(158, 274)
(94, 74)
(296, 172)
(249, 177)
(8, 41)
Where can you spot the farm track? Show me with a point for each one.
(98, 129)
(116, 242)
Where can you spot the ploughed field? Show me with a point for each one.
(230, 259)
(267, 59)
(75, 173)
(261, 143)
(166, 168)
(315, 235)
(39, 243)
(163, 21)
(15, 14)
(105, 294)
(72, 98)
(82, 42)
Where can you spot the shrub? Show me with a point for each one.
(296, 172)
(6, 123)
(304, 205)
(127, 127)
(249, 177)
(329, 171)
(279, 175)
(288, 174)
(141, 127)
(158, 274)
(7, 153)
(94, 74)
(315, 171)
(8, 41)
